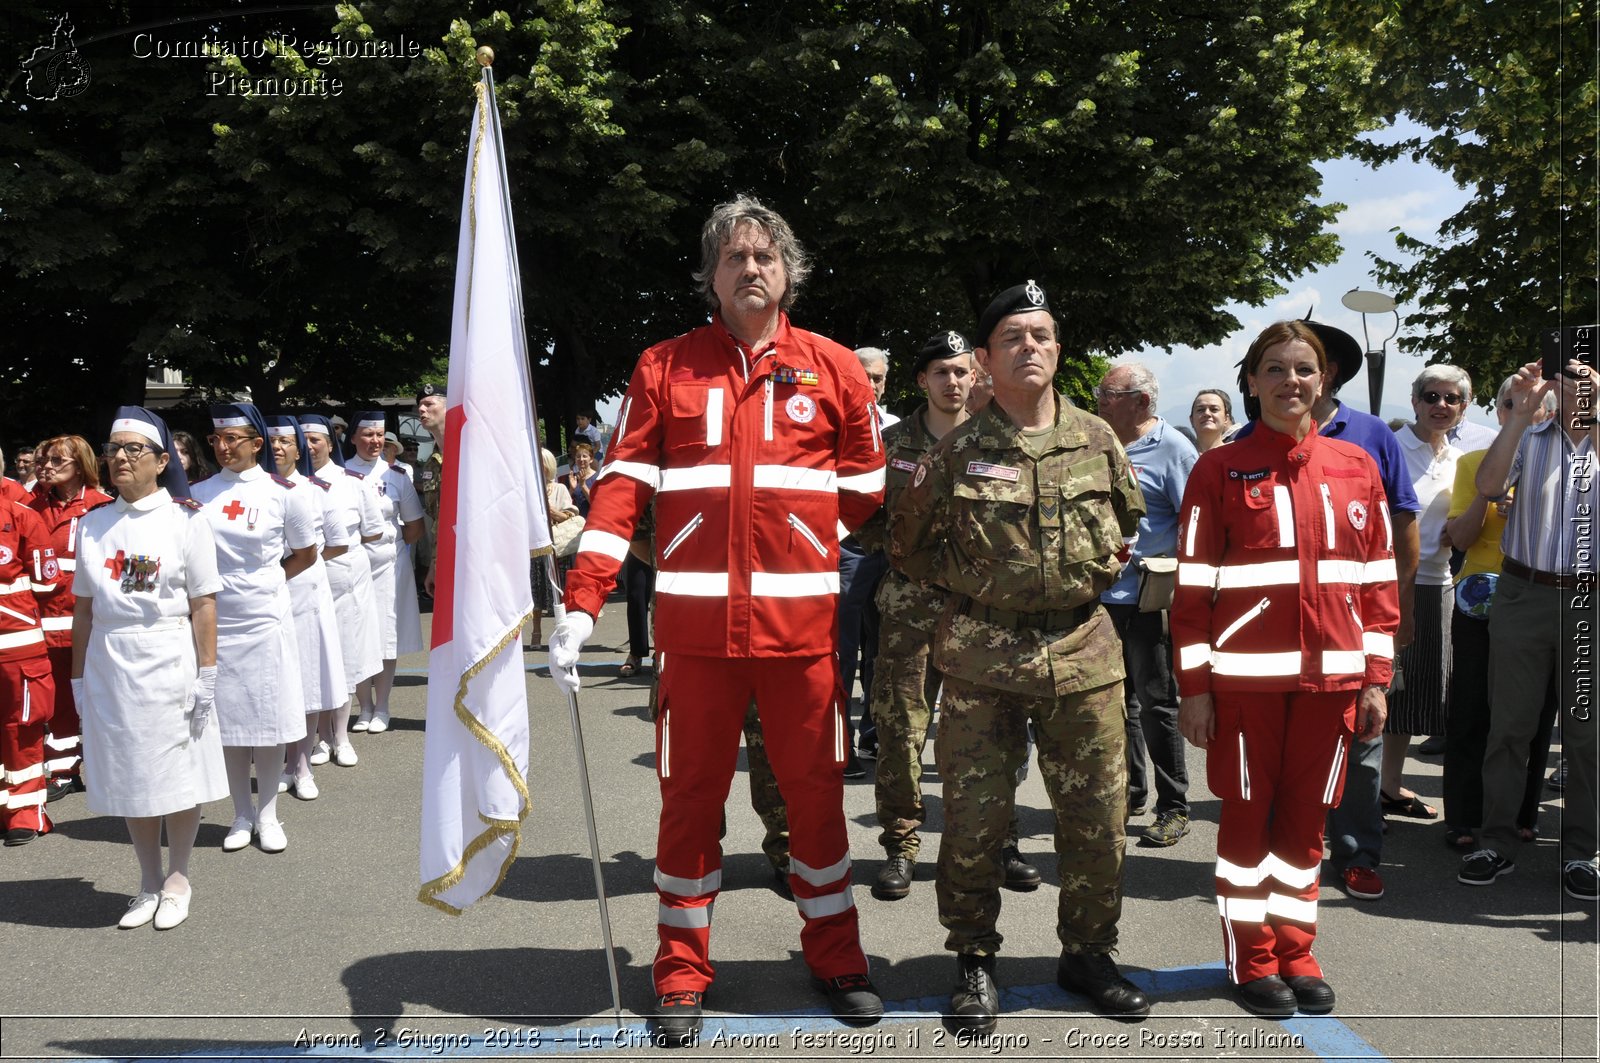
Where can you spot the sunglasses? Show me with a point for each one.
(1433, 398)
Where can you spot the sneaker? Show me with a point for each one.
(1581, 880)
(1483, 867)
(344, 755)
(678, 1017)
(1363, 883)
(1095, 975)
(853, 768)
(894, 880)
(975, 1002)
(1558, 778)
(1021, 876)
(320, 754)
(1167, 829)
(853, 998)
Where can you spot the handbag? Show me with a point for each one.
(564, 536)
(1475, 594)
(1158, 578)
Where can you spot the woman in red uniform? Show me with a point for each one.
(69, 487)
(1283, 627)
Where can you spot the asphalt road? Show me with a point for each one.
(324, 950)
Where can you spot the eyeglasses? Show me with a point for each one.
(1101, 393)
(45, 463)
(134, 451)
(1433, 398)
(231, 440)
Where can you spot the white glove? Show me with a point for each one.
(566, 642)
(203, 697)
(80, 693)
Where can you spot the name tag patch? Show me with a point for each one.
(1253, 474)
(903, 465)
(993, 472)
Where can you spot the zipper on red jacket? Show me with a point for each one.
(683, 533)
(1194, 523)
(799, 525)
(1350, 602)
(1327, 512)
(767, 412)
(1250, 614)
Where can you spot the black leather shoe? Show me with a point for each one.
(1021, 876)
(1270, 997)
(1314, 996)
(62, 787)
(678, 1018)
(852, 998)
(975, 1003)
(1095, 975)
(894, 881)
(20, 835)
(780, 883)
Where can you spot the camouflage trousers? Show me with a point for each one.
(982, 742)
(905, 687)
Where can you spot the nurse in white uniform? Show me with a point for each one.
(322, 677)
(260, 704)
(355, 509)
(393, 581)
(144, 661)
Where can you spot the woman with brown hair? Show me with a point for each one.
(68, 488)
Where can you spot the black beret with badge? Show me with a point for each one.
(1020, 299)
(939, 346)
(428, 390)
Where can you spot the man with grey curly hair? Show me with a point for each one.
(749, 218)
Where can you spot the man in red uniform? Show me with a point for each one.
(27, 691)
(759, 444)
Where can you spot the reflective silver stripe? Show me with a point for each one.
(637, 470)
(688, 887)
(791, 478)
(37, 772)
(1285, 907)
(1194, 523)
(1327, 513)
(60, 745)
(1244, 769)
(685, 918)
(838, 738)
(767, 416)
(863, 482)
(1280, 502)
(1377, 644)
(825, 905)
(1288, 874)
(1341, 572)
(1243, 909)
(696, 477)
(788, 584)
(595, 541)
(27, 699)
(1260, 665)
(1380, 571)
(17, 586)
(1238, 875)
(694, 584)
(1249, 615)
(1194, 574)
(714, 417)
(1260, 574)
(5, 795)
(840, 530)
(1343, 662)
(872, 419)
(824, 876)
(1194, 655)
(1335, 773)
(24, 617)
(20, 638)
(810, 536)
(68, 564)
(56, 623)
(622, 423)
(61, 763)
(666, 744)
(24, 800)
(1388, 531)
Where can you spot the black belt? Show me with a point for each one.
(1049, 620)
(1559, 580)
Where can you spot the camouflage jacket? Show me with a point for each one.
(984, 519)
(904, 444)
(429, 478)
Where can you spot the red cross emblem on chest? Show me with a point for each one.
(114, 564)
(232, 510)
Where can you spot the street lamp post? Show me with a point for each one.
(1364, 303)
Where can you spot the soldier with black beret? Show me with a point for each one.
(1022, 514)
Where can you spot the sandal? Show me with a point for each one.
(1411, 805)
(629, 668)
(1459, 840)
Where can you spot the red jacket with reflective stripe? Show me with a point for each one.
(22, 538)
(758, 461)
(1286, 574)
(53, 568)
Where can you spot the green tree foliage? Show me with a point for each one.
(1145, 164)
(1508, 95)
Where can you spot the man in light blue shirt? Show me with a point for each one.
(1162, 458)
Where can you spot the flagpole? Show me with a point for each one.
(486, 58)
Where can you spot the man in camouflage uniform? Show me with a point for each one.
(904, 687)
(429, 476)
(1020, 513)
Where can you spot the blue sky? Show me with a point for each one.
(1414, 197)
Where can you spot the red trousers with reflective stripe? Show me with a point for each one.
(65, 726)
(27, 694)
(702, 706)
(1277, 762)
